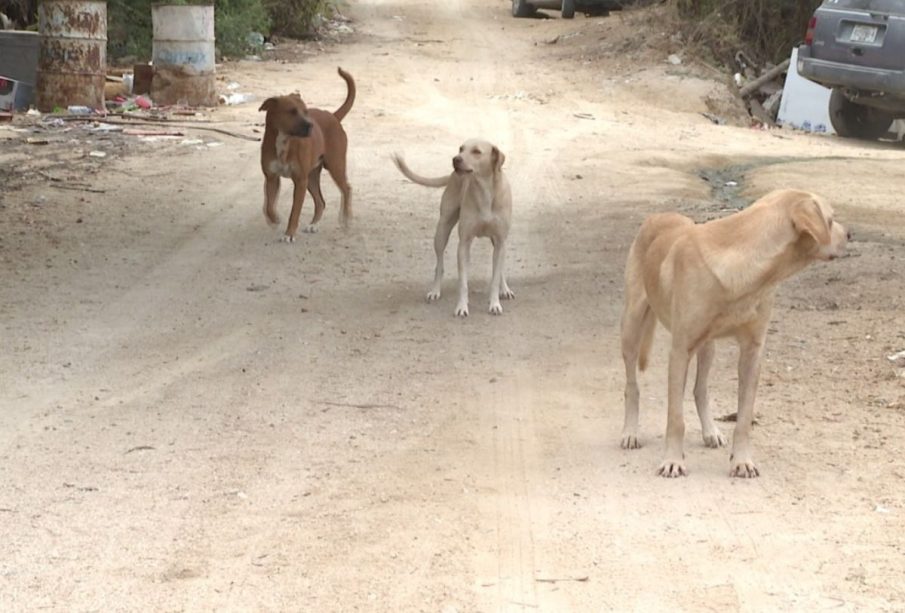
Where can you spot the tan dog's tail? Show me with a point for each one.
(425, 181)
(648, 326)
(341, 112)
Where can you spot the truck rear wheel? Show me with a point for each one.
(568, 9)
(851, 120)
(521, 8)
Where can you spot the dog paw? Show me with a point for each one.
(310, 229)
(714, 439)
(287, 238)
(743, 468)
(433, 295)
(507, 294)
(462, 310)
(672, 469)
(630, 441)
(496, 308)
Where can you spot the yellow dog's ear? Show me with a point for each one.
(498, 158)
(808, 218)
(268, 104)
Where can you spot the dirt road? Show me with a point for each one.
(198, 417)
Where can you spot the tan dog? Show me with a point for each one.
(477, 196)
(298, 143)
(709, 281)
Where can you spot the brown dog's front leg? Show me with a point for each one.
(271, 194)
(298, 198)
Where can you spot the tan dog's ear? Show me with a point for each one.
(498, 158)
(268, 104)
(808, 218)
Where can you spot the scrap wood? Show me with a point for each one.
(768, 76)
(580, 579)
(156, 122)
(131, 132)
(76, 188)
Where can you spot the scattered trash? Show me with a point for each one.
(255, 40)
(731, 184)
(80, 110)
(143, 102)
(584, 116)
(674, 59)
(98, 154)
(881, 509)
(233, 86)
(37, 141)
(192, 141)
(33, 113)
(714, 119)
(236, 98)
(253, 58)
(897, 359)
(269, 47)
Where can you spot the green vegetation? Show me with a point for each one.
(297, 18)
(129, 23)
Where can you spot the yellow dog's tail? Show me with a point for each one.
(411, 176)
(350, 95)
(648, 326)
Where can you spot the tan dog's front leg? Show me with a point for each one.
(298, 198)
(499, 261)
(712, 436)
(674, 460)
(741, 461)
(464, 255)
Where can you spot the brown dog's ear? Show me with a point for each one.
(498, 158)
(268, 104)
(808, 218)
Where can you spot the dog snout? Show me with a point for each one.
(457, 161)
(302, 128)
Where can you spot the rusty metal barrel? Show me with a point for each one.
(72, 61)
(183, 55)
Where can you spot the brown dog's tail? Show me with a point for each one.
(350, 95)
(425, 181)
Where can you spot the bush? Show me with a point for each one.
(129, 31)
(297, 18)
(767, 28)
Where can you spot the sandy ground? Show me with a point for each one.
(198, 417)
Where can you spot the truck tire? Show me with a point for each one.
(568, 9)
(521, 8)
(852, 120)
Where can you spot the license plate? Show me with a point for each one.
(864, 34)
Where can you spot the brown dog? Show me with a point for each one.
(710, 281)
(298, 143)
